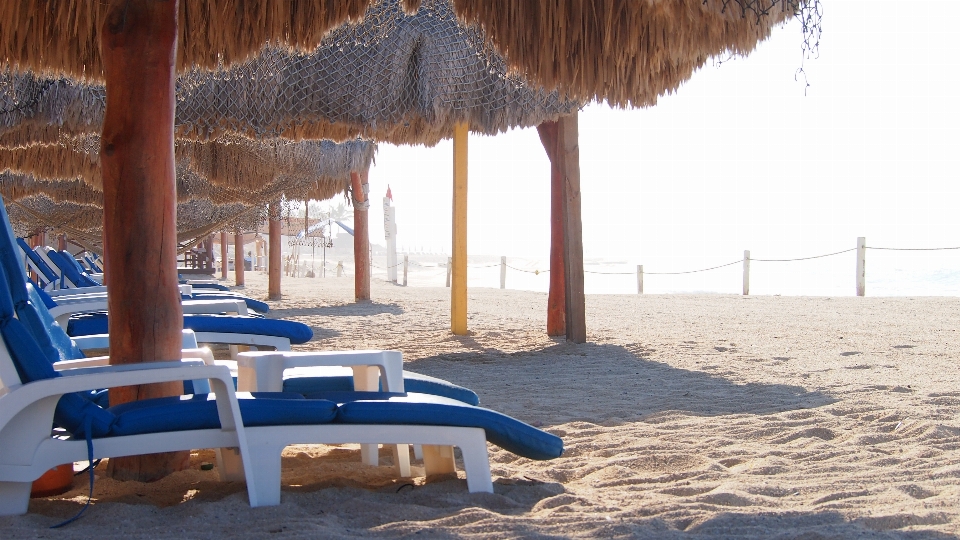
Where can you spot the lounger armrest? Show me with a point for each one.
(26, 411)
(102, 341)
(238, 307)
(77, 290)
(263, 371)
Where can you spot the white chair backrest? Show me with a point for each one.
(9, 378)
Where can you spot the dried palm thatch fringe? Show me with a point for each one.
(15, 186)
(230, 169)
(625, 52)
(62, 37)
(394, 78)
(83, 223)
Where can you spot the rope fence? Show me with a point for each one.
(641, 273)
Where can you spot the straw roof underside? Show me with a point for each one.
(61, 37)
(625, 52)
(394, 78)
(83, 223)
(231, 169)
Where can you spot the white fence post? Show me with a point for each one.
(861, 266)
(746, 272)
(503, 272)
(639, 279)
(406, 260)
(449, 269)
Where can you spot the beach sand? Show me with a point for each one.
(684, 416)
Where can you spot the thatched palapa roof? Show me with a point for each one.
(62, 37)
(626, 52)
(393, 78)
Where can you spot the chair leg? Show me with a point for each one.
(438, 460)
(401, 460)
(476, 463)
(265, 459)
(370, 454)
(229, 465)
(14, 498)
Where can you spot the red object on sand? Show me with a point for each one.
(53, 482)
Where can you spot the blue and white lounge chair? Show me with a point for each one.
(34, 396)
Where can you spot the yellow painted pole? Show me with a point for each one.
(458, 285)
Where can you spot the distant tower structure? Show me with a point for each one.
(390, 234)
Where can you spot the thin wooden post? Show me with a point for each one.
(861, 266)
(639, 279)
(406, 262)
(224, 266)
(361, 236)
(574, 299)
(746, 272)
(503, 272)
(138, 43)
(458, 283)
(556, 302)
(275, 254)
(449, 269)
(238, 258)
(62, 242)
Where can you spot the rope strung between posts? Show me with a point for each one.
(912, 249)
(804, 258)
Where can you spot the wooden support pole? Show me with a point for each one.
(406, 262)
(503, 272)
(449, 269)
(556, 302)
(861, 266)
(575, 302)
(274, 252)
(61, 242)
(138, 42)
(209, 261)
(361, 236)
(746, 272)
(238, 258)
(639, 279)
(223, 255)
(458, 283)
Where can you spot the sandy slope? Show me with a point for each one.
(685, 416)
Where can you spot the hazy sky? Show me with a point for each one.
(739, 158)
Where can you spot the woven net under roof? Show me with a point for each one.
(230, 169)
(62, 36)
(83, 223)
(627, 52)
(392, 78)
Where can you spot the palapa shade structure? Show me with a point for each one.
(63, 37)
(234, 173)
(132, 45)
(626, 52)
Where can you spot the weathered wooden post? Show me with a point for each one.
(361, 236)
(503, 272)
(746, 272)
(575, 302)
(639, 279)
(861, 266)
(275, 253)
(458, 284)
(62, 242)
(449, 269)
(406, 262)
(223, 255)
(556, 302)
(138, 45)
(238, 258)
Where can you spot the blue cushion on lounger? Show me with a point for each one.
(66, 266)
(200, 412)
(506, 432)
(65, 346)
(412, 382)
(215, 286)
(256, 305)
(32, 364)
(96, 323)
